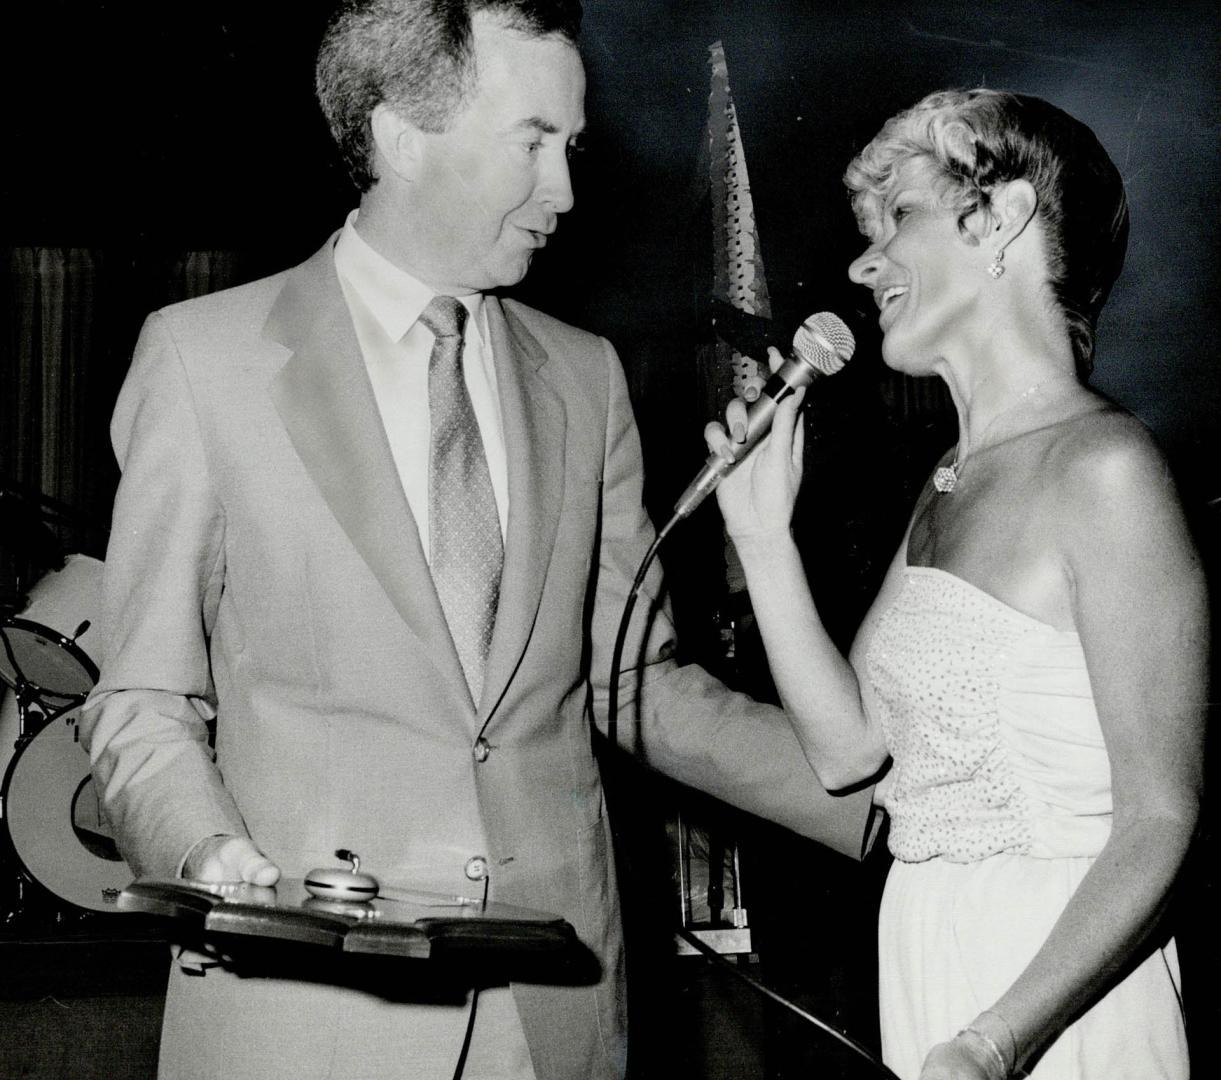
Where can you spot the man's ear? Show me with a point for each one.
(397, 141)
(1010, 210)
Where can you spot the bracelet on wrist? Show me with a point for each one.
(1008, 1031)
(990, 1045)
(782, 534)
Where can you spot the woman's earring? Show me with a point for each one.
(997, 266)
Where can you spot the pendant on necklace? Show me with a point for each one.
(946, 478)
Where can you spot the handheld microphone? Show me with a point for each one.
(821, 346)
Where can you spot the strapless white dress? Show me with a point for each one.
(999, 798)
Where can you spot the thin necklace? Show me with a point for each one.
(945, 479)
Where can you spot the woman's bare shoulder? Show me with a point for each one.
(1104, 452)
(1113, 486)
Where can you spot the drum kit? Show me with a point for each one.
(57, 852)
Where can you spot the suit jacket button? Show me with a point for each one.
(482, 749)
(476, 868)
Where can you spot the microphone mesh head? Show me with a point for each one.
(824, 342)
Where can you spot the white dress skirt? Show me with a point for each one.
(999, 798)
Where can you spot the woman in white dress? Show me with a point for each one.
(1031, 679)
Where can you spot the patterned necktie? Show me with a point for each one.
(466, 548)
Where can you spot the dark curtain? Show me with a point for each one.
(70, 316)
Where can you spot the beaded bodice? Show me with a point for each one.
(990, 721)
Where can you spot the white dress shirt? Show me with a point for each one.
(386, 304)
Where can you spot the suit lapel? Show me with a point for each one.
(326, 403)
(534, 429)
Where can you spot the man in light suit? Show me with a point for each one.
(283, 564)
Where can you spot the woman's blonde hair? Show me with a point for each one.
(977, 139)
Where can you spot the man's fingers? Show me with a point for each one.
(231, 858)
(259, 870)
(204, 862)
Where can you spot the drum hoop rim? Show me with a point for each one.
(61, 641)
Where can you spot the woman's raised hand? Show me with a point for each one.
(758, 496)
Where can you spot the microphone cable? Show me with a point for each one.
(612, 720)
(460, 1066)
(466, 1039)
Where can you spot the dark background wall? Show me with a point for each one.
(143, 132)
(193, 126)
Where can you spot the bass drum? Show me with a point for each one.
(55, 822)
(51, 813)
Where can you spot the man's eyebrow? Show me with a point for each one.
(543, 127)
(536, 123)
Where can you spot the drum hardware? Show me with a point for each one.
(48, 672)
(53, 820)
(67, 596)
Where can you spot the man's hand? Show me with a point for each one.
(229, 858)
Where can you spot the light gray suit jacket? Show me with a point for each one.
(265, 570)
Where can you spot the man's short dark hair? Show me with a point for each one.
(416, 56)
